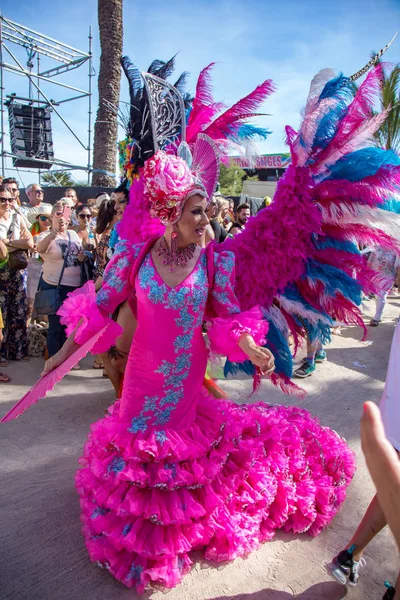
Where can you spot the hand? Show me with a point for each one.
(82, 257)
(1, 335)
(262, 358)
(383, 464)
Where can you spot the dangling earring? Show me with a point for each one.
(174, 243)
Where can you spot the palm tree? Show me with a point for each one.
(388, 135)
(61, 178)
(109, 82)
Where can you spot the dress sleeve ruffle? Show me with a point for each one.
(81, 310)
(230, 322)
(224, 333)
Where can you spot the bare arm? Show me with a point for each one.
(44, 244)
(259, 356)
(3, 251)
(25, 242)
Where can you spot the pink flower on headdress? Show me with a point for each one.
(167, 182)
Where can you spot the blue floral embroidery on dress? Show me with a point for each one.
(116, 465)
(224, 264)
(161, 436)
(171, 467)
(115, 282)
(165, 368)
(183, 342)
(121, 248)
(146, 274)
(126, 530)
(172, 397)
(123, 262)
(99, 512)
(190, 302)
(135, 572)
(139, 423)
(186, 320)
(163, 416)
(182, 362)
(150, 403)
(177, 298)
(156, 293)
(103, 296)
(175, 380)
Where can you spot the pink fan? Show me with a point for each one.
(205, 163)
(47, 383)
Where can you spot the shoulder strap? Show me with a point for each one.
(65, 260)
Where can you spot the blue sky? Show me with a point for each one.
(251, 41)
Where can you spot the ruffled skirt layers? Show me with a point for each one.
(226, 484)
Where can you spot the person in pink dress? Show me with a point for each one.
(171, 469)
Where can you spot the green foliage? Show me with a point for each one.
(231, 179)
(61, 178)
(388, 135)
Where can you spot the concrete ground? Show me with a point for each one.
(43, 556)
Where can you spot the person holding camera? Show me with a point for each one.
(61, 251)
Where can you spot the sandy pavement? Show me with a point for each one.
(43, 556)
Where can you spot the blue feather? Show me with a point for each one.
(316, 331)
(325, 242)
(391, 205)
(250, 132)
(335, 280)
(339, 86)
(362, 163)
(328, 125)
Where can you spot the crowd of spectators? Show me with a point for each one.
(47, 251)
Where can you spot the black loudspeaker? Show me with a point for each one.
(30, 135)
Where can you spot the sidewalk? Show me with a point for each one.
(43, 554)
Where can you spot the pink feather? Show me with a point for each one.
(358, 124)
(241, 110)
(204, 109)
(47, 383)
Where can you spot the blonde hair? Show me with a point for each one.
(59, 205)
(221, 203)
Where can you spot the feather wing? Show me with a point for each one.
(300, 254)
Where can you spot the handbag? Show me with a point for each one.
(47, 302)
(18, 259)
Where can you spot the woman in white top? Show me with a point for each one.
(40, 226)
(15, 235)
(58, 246)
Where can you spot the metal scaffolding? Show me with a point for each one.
(63, 59)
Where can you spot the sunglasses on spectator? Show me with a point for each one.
(38, 191)
(4, 200)
(45, 218)
(58, 214)
(82, 216)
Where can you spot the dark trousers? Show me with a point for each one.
(56, 335)
(13, 307)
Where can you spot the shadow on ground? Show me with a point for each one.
(320, 591)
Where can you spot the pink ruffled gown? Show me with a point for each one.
(171, 469)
